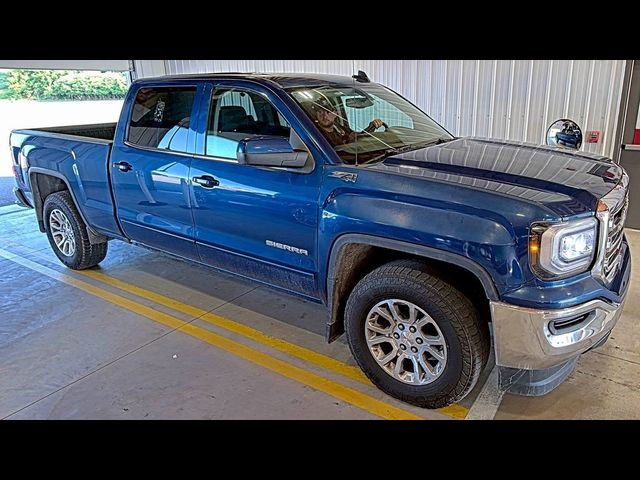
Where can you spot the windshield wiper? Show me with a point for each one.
(415, 146)
(386, 153)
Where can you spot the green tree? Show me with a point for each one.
(65, 85)
(32, 84)
(3, 81)
(89, 85)
(4, 86)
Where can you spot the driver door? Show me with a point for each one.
(260, 222)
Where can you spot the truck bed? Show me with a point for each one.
(74, 157)
(97, 131)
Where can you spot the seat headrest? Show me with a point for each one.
(231, 117)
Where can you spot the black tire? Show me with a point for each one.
(86, 255)
(466, 335)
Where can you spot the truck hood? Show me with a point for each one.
(565, 182)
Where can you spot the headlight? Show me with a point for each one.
(561, 250)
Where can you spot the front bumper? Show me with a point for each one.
(536, 339)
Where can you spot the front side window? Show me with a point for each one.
(367, 122)
(160, 118)
(236, 114)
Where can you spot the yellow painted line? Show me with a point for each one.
(285, 369)
(286, 347)
(324, 361)
(455, 411)
(311, 356)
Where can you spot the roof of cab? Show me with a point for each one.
(284, 80)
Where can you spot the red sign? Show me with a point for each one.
(593, 136)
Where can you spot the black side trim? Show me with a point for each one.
(334, 328)
(21, 199)
(217, 268)
(533, 383)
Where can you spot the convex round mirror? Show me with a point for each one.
(565, 133)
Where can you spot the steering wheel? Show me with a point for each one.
(386, 127)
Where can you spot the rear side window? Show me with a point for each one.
(160, 118)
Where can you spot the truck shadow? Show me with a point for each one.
(148, 269)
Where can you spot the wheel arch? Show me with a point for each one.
(354, 255)
(43, 183)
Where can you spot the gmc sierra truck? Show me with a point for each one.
(424, 247)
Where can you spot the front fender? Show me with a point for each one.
(438, 228)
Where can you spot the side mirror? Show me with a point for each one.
(270, 151)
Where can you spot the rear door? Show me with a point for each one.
(150, 168)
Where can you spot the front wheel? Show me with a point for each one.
(415, 336)
(67, 233)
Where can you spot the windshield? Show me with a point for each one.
(367, 122)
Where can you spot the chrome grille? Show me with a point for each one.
(611, 213)
(613, 252)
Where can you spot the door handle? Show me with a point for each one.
(206, 181)
(122, 166)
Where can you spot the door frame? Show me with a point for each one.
(628, 155)
(629, 105)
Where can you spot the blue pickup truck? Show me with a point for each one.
(425, 248)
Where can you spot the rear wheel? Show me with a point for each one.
(67, 233)
(415, 336)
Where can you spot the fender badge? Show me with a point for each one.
(345, 176)
(288, 248)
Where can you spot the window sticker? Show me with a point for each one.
(159, 112)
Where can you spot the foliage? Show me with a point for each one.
(3, 80)
(84, 85)
(65, 85)
(4, 86)
(31, 84)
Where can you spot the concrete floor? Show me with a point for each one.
(6, 190)
(199, 344)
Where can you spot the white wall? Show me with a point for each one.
(514, 99)
(149, 68)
